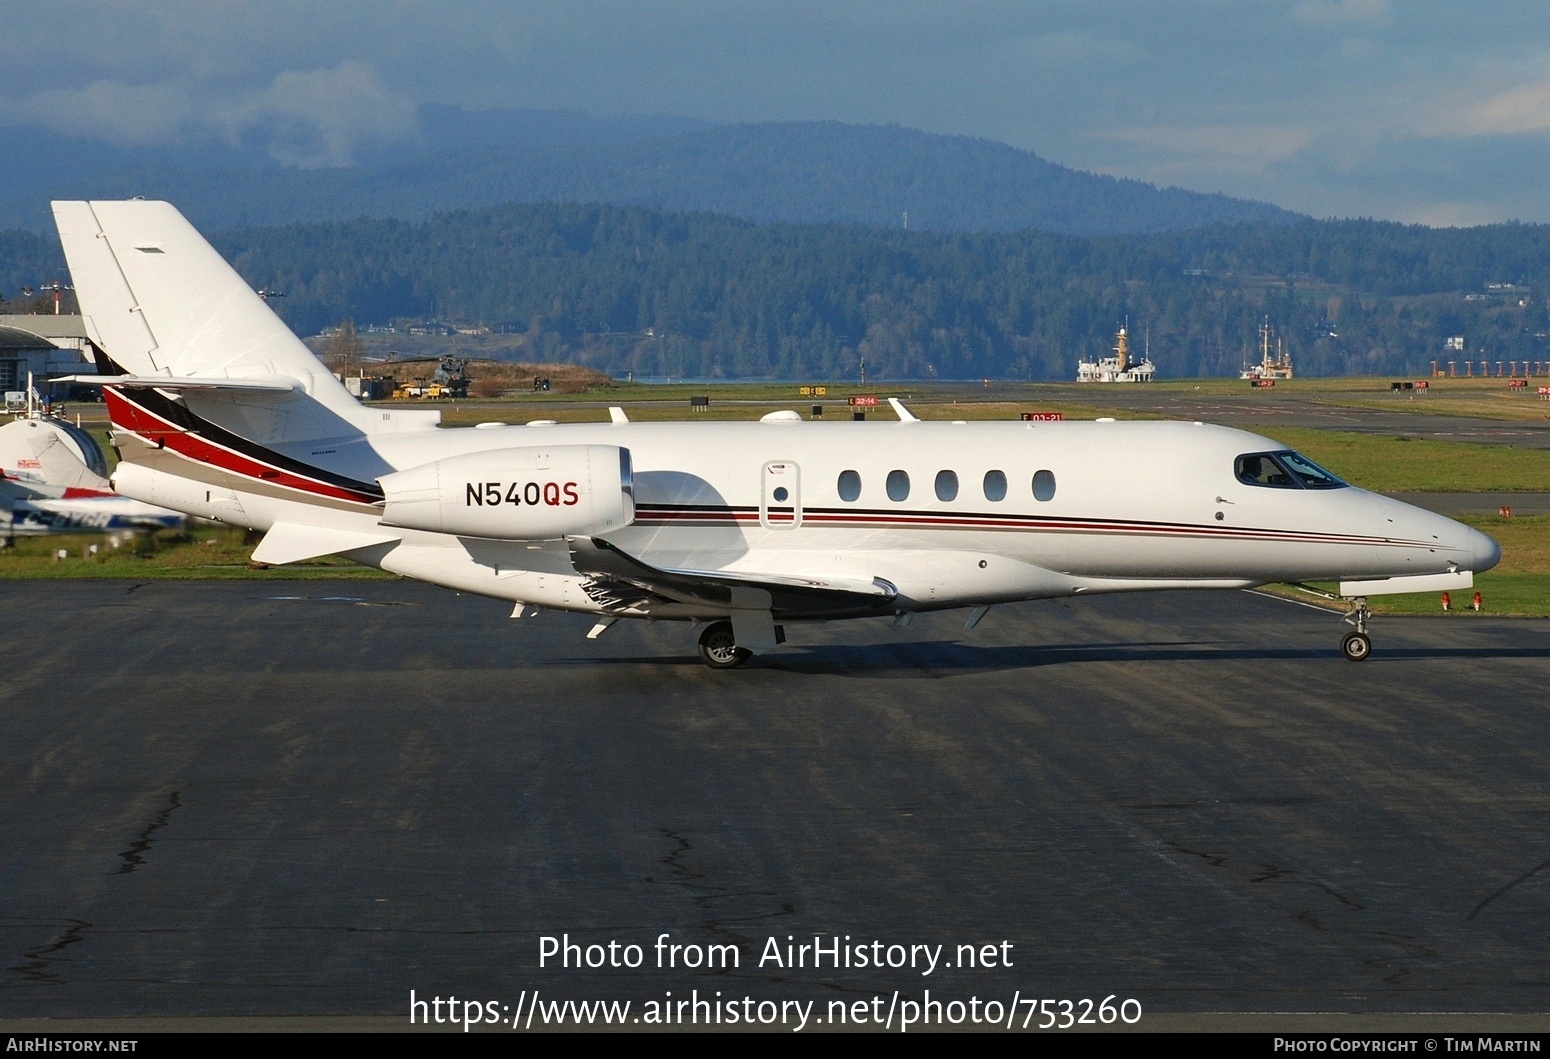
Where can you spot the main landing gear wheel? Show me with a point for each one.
(1356, 646)
(718, 647)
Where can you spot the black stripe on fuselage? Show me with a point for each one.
(180, 415)
(926, 519)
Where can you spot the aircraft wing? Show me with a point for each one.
(619, 581)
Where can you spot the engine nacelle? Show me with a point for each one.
(524, 494)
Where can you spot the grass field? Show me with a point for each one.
(1421, 465)
(200, 553)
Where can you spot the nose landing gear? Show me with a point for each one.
(1357, 646)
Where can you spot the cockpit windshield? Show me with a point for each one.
(1310, 474)
(1283, 470)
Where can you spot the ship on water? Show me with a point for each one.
(1118, 368)
(1277, 367)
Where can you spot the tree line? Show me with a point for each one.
(696, 294)
(657, 292)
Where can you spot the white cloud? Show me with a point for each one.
(1367, 106)
(320, 117)
(310, 118)
(1525, 108)
(109, 110)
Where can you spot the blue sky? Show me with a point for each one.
(1417, 111)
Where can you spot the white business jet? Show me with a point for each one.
(221, 412)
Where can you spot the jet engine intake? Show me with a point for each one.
(530, 493)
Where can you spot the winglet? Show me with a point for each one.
(616, 414)
(904, 414)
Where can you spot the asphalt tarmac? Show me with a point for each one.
(249, 800)
(1478, 503)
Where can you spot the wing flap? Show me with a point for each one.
(621, 580)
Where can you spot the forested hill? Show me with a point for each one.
(630, 288)
(722, 296)
(805, 172)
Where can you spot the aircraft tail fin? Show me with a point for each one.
(158, 300)
(62, 467)
(162, 301)
(51, 453)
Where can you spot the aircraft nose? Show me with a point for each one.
(1486, 552)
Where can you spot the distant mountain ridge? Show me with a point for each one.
(42, 164)
(800, 172)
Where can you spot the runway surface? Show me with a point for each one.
(1478, 503)
(294, 799)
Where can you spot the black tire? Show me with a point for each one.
(1356, 647)
(718, 647)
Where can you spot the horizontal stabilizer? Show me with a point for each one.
(291, 542)
(274, 384)
(1394, 586)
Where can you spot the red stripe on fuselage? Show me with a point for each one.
(711, 516)
(137, 420)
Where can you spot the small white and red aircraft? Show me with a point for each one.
(52, 480)
(221, 412)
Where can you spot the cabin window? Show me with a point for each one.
(946, 486)
(995, 486)
(898, 485)
(1044, 485)
(850, 486)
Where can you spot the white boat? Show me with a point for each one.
(1277, 367)
(1118, 368)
